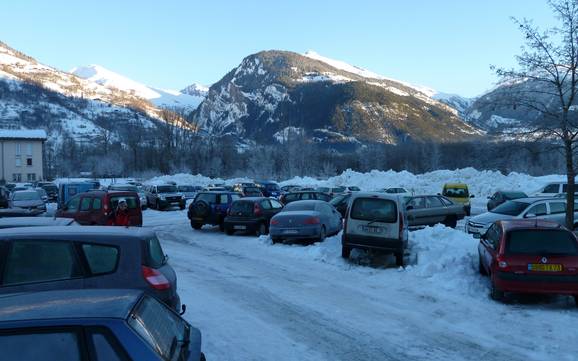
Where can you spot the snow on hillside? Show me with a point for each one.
(159, 97)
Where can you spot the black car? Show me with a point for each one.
(251, 215)
(211, 208)
(304, 196)
(340, 203)
(502, 196)
(111, 325)
(53, 258)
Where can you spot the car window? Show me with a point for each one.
(223, 199)
(101, 258)
(433, 202)
(417, 203)
(97, 204)
(45, 346)
(493, 236)
(85, 204)
(323, 197)
(374, 209)
(265, 204)
(446, 201)
(156, 256)
(557, 207)
(300, 206)
(510, 208)
(538, 210)
(456, 192)
(552, 188)
(235, 197)
(307, 196)
(73, 203)
(40, 261)
(275, 204)
(159, 327)
(131, 201)
(106, 348)
(564, 188)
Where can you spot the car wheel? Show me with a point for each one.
(261, 230)
(345, 252)
(322, 234)
(496, 294)
(229, 231)
(196, 225)
(399, 259)
(158, 205)
(221, 226)
(275, 240)
(481, 268)
(451, 221)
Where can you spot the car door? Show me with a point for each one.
(436, 211)
(44, 343)
(490, 242)
(536, 211)
(557, 212)
(83, 216)
(267, 209)
(417, 211)
(71, 208)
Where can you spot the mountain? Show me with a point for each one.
(275, 95)
(34, 95)
(457, 102)
(196, 90)
(161, 98)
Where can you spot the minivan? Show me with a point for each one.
(97, 208)
(375, 221)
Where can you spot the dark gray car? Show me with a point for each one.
(28, 199)
(430, 210)
(502, 196)
(51, 258)
(305, 220)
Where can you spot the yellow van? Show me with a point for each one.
(458, 193)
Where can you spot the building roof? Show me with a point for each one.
(36, 134)
(68, 304)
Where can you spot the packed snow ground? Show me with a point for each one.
(258, 301)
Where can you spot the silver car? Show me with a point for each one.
(29, 200)
(552, 209)
(430, 210)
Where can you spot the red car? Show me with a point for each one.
(97, 207)
(530, 256)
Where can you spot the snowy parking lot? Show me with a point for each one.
(258, 301)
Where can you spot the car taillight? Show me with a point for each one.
(274, 222)
(155, 279)
(400, 225)
(106, 208)
(502, 264)
(312, 220)
(256, 209)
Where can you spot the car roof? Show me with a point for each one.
(92, 231)
(390, 196)
(35, 221)
(530, 200)
(510, 225)
(251, 199)
(67, 304)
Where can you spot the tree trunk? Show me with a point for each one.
(570, 172)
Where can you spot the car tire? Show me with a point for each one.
(451, 221)
(275, 240)
(158, 205)
(196, 225)
(229, 231)
(221, 226)
(495, 293)
(322, 234)
(345, 252)
(399, 262)
(261, 230)
(481, 268)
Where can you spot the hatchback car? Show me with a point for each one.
(95, 325)
(51, 258)
(29, 200)
(305, 220)
(98, 207)
(375, 221)
(459, 194)
(431, 210)
(211, 208)
(251, 215)
(535, 256)
(502, 196)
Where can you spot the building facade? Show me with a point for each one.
(22, 155)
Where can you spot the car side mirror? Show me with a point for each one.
(530, 215)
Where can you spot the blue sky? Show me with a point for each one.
(445, 44)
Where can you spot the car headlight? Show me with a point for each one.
(162, 198)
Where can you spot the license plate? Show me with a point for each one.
(539, 267)
(290, 231)
(369, 229)
(239, 227)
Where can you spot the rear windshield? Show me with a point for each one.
(510, 208)
(125, 187)
(374, 209)
(207, 198)
(162, 329)
(131, 201)
(541, 243)
(456, 192)
(243, 207)
(26, 196)
(300, 206)
(167, 189)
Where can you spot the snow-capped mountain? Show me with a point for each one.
(274, 95)
(159, 97)
(196, 90)
(459, 103)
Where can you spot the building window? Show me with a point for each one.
(31, 177)
(18, 149)
(28, 161)
(29, 149)
(18, 162)
(17, 177)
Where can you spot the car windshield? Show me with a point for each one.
(456, 192)
(541, 242)
(510, 208)
(299, 206)
(26, 196)
(186, 189)
(514, 195)
(124, 187)
(167, 189)
(374, 209)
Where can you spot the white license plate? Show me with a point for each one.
(239, 227)
(290, 231)
(373, 230)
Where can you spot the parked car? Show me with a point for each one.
(552, 189)
(552, 209)
(269, 188)
(340, 202)
(10, 186)
(50, 258)
(131, 188)
(375, 221)
(51, 190)
(215, 189)
(290, 188)
(42, 193)
(529, 256)
(459, 194)
(303, 196)
(94, 325)
(332, 191)
(161, 197)
(431, 210)
(397, 190)
(68, 190)
(502, 196)
(352, 189)
(4, 197)
(29, 199)
(251, 215)
(211, 208)
(249, 191)
(97, 208)
(305, 220)
(188, 191)
(17, 222)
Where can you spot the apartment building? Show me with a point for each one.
(21, 154)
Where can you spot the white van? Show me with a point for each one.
(375, 221)
(552, 189)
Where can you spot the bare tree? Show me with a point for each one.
(548, 63)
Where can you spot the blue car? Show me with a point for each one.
(305, 220)
(269, 189)
(93, 325)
